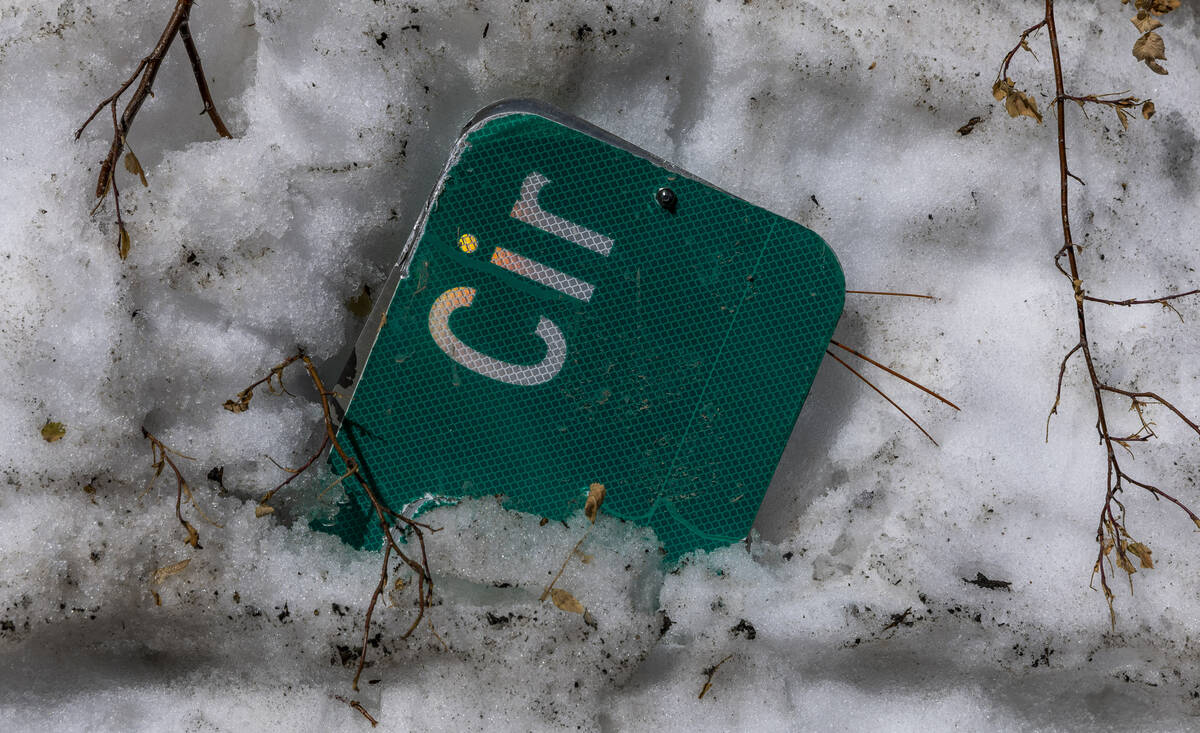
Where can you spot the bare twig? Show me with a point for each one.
(881, 394)
(388, 519)
(185, 33)
(708, 676)
(895, 373)
(148, 69)
(1062, 369)
(884, 292)
(356, 705)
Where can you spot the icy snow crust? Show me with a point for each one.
(244, 248)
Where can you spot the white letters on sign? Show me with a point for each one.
(528, 210)
(480, 363)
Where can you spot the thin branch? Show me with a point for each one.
(1111, 534)
(160, 456)
(899, 295)
(383, 579)
(185, 33)
(889, 399)
(1156, 398)
(1163, 301)
(895, 373)
(387, 519)
(1020, 44)
(708, 676)
(294, 473)
(148, 69)
(1062, 368)
(356, 705)
(1157, 492)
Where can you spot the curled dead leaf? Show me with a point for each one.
(262, 510)
(123, 243)
(134, 166)
(1142, 553)
(1147, 109)
(594, 499)
(1150, 48)
(167, 571)
(193, 538)
(1018, 104)
(1162, 7)
(566, 601)
(1124, 564)
(1001, 89)
(1145, 22)
(241, 404)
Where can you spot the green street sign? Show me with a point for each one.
(571, 310)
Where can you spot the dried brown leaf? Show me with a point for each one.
(1142, 553)
(1162, 7)
(1149, 48)
(594, 500)
(241, 404)
(1001, 89)
(134, 166)
(1123, 561)
(123, 243)
(1019, 103)
(168, 570)
(1124, 118)
(53, 431)
(1147, 110)
(566, 601)
(193, 536)
(1145, 22)
(263, 510)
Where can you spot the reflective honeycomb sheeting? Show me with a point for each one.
(557, 327)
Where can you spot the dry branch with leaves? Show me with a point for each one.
(147, 69)
(1116, 545)
(394, 525)
(163, 457)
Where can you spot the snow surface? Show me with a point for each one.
(839, 115)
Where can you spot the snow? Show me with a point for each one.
(841, 116)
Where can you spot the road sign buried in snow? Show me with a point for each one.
(572, 310)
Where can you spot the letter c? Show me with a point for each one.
(480, 363)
